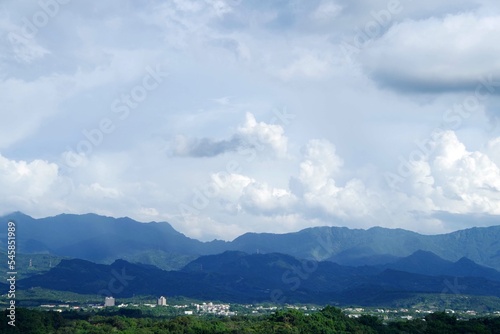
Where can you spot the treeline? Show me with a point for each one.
(328, 320)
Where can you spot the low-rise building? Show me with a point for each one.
(162, 301)
(109, 301)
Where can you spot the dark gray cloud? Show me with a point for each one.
(264, 55)
(413, 84)
(206, 147)
(252, 135)
(436, 55)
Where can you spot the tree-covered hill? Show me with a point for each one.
(329, 320)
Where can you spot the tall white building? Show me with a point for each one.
(109, 301)
(162, 301)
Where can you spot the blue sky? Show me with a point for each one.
(223, 117)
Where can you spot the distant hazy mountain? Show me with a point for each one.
(244, 278)
(376, 245)
(427, 263)
(104, 239)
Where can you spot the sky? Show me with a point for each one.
(226, 117)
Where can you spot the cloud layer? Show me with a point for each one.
(436, 55)
(224, 117)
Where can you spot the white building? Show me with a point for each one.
(162, 301)
(109, 301)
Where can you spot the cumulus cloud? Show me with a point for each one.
(452, 179)
(470, 181)
(449, 180)
(237, 193)
(261, 54)
(41, 188)
(312, 194)
(320, 194)
(260, 133)
(254, 135)
(30, 186)
(231, 185)
(34, 178)
(262, 199)
(493, 150)
(319, 165)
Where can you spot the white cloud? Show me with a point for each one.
(320, 164)
(469, 181)
(451, 179)
(493, 150)
(237, 192)
(260, 133)
(251, 136)
(313, 193)
(231, 186)
(326, 200)
(96, 190)
(261, 55)
(35, 178)
(42, 188)
(436, 54)
(151, 212)
(260, 198)
(34, 186)
(326, 11)
(307, 66)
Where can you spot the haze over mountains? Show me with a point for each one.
(315, 265)
(278, 278)
(105, 239)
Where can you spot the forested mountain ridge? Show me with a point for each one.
(105, 239)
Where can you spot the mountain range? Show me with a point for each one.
(92, 254)
(239, 277)
(104, 239)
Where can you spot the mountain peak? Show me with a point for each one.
(104, 239)
(17, 215)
